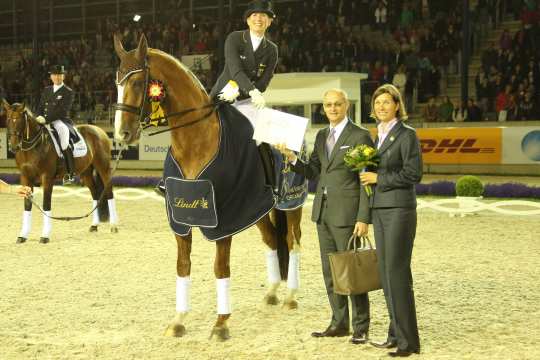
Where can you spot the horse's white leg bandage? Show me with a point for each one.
(223, 296)
(183, 284)
(293, 276)
(26, 224)
(113, 218)
(272, 267)
(47, 224)
(95, 214)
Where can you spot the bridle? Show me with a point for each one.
(146, 120)
(22, 143)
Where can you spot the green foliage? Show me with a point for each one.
(469, 185)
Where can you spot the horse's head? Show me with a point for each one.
(145, 75)
(131, 81)
(17, 123)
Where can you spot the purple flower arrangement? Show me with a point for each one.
(437, 188)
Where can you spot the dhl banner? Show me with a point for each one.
(461, 145)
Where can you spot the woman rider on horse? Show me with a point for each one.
(54, 108)
(250, 61)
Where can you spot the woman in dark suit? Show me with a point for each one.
(393, 211)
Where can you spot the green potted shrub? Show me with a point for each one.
(469, 189)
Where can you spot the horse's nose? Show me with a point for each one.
(123, 136)
(126, 135)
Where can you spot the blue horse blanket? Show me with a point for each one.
(237, 177)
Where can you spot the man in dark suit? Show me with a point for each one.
(250, 61)
(340, 207)
(54, 107)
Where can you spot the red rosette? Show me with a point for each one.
(156, 90)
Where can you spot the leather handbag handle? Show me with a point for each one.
(352, 244)
(366, 242)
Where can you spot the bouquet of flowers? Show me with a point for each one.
(359, 157)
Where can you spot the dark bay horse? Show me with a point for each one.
(38, 162)
(193, 146)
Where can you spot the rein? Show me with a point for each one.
(100, 200)
(213, 105)
(27, 145)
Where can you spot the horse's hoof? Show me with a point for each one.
(290, 305)
(93, 228)
(176, 330)
(114, 230)
(20, 240)
(271, 300)
(221, 333)
(44, 240)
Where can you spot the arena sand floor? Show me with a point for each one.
(110, 296)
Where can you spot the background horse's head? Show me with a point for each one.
(20, 124)
(138, 69)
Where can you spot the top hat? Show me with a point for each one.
(259, 6)
(57, 69)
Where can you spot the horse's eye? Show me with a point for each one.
(137, 83)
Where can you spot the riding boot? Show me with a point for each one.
(267, 159)
(70, 166)
(160, 188)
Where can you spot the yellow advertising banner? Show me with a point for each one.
(461, 145)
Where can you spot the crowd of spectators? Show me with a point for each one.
(508, 82)
(414, 44)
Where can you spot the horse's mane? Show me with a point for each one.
(178, 63)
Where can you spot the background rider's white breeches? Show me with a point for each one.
(63, 133)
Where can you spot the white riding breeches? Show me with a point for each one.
(63, 133)
(249, 110)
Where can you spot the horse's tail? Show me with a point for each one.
(103, 206)
(280, 223)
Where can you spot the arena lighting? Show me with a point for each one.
(137, 17)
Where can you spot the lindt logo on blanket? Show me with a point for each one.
(199, 203)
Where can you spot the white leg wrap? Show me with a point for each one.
(26, 224)
(272, 267)
(183, 284)
(47, 224)
(113, 218)
(95, 214)
(293, 276)
(223, 296)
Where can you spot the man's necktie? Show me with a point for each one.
(330, 142)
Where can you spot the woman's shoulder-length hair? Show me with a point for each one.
(396, 96)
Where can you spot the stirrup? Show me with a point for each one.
(68, 179)
(160, 190)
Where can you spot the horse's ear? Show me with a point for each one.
(142, 49)
(5, 104)
(118, 47)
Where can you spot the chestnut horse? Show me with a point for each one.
(194, 143)
(38, 162)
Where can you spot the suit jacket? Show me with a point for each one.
(250, 69)
(346, 202)
(399, 170)
(56, 105)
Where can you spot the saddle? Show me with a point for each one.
(76, 141)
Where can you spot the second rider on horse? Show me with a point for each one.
(54, 107)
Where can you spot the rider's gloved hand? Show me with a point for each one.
(230, 92)
(257, 99)
(40, 119)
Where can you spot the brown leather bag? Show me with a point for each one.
(355, 271)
